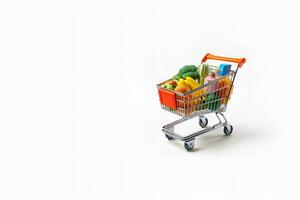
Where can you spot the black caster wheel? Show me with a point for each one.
(169, 137)
(203, 121)
(189, 145)
(228, 129)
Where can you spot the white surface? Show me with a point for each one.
(79, 112)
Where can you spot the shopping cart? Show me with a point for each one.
(196, 103)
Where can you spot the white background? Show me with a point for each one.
(80, 116)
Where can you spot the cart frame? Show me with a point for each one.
(189, 140)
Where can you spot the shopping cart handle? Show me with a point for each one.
(240, 61)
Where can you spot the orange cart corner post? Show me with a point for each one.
(239, 61)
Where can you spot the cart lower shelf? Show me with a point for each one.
(189, 140)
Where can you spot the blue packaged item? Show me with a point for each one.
(224, 69)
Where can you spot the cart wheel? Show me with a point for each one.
(189, 145)
(169, 137)
(203, 121)
(228, 129)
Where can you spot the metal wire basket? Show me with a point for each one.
(196, 102)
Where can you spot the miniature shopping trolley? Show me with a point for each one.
(211, 97)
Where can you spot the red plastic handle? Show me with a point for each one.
(239, 61)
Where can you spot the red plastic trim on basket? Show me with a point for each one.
(167, 98)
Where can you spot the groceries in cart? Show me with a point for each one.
(199, 88)
(197, 91)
